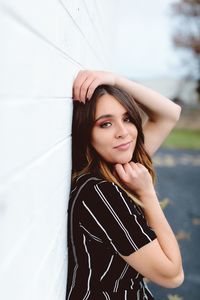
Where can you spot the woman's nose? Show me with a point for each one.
(121, 131)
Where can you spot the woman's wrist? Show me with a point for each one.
(120, 81)
(147, 193)
(149, 199)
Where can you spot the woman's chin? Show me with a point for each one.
(123, 161)
(126, 159)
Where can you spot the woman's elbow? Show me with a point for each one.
(177, 112)
(173, 117)
(177, 280)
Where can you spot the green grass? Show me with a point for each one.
(183, 139)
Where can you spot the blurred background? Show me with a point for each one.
(43, 46)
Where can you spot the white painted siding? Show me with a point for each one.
(43, 46)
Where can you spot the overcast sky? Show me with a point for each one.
(143, 47)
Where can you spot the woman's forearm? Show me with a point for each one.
(155, 105)
(166, 238)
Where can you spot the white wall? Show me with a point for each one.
(43, 45)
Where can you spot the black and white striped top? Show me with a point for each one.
(103, 222)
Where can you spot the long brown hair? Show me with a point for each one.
(84, 157)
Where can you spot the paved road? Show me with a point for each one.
(178, 185)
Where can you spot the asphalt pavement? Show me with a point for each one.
(178, 187)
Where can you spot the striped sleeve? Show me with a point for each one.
(120, 222)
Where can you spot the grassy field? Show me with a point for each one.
(183, 139)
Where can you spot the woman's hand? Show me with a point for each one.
(137, 178)
(87, 81)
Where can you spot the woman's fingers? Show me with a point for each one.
(125, 172)
(78, 82)
(139, 167)
(134, 165)
(95, 83)
(120, 172)
(84, 89)
(135, 176)
(128, 168)
(82, 84)
(87, 81)
(88, 87)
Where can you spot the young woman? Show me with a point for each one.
(117, 232)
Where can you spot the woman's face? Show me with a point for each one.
(113, 135)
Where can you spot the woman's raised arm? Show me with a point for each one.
(162, 113)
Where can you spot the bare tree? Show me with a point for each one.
(186, 36)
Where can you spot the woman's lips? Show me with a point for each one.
(124, 146)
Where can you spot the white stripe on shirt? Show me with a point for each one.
(96, 238)
(120, 277)
(100, 225)
(141, 228)
(107, 267)
(125, 296)
(89, 268)
(106, 295)
(116, 217)
(122, 197)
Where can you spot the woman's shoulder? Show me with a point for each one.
(90, 179)
(93, 185)
(87, 179)
(85, 182)
(90, 183)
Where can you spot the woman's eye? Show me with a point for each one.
(105, 125)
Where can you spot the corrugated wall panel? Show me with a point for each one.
(43, 46)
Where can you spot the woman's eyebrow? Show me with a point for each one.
(109, 116)
(104, 116)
